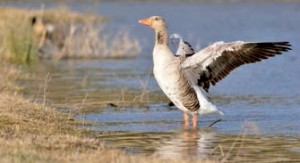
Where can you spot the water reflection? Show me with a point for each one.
(189, 143)
(207, 143)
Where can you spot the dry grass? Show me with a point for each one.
(75, 36)
(89, 41)
(15, 36)
(8, 74)
(32, 133)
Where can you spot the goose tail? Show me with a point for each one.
(206, 107)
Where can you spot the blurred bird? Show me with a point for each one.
(51, 36)
(41, 29)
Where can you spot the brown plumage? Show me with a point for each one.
(188, 94)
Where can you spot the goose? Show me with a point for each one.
(41, 29)
(186, 81)
(51, 36)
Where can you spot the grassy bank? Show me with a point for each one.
(32, 132)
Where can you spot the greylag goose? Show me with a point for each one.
(41, 29)
(186, 82)
(51, 36)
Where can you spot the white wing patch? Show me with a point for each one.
(184, 49)
(206, 56)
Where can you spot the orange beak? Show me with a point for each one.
(146, 21)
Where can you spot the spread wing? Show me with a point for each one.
(184, 49)
(215, 62)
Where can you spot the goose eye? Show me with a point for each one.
(156, 18)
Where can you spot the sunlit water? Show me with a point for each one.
(260, 101)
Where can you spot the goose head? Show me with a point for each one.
(155, 22)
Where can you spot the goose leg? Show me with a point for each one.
(186, 119)
(195, 120)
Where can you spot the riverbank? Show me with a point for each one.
(32, 132)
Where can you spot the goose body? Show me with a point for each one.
(186, 81)
(172, 80)
(168, 74)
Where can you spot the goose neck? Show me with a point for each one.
(161, 37)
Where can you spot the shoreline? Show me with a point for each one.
(31, 132)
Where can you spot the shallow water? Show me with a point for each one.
(260, 101)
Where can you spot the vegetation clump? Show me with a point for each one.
(27, 35)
